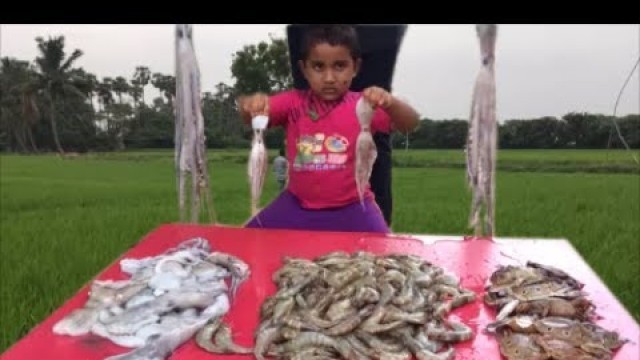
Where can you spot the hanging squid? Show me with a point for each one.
(257, 167)
(366, 151)
(481, 142)
(190, 148)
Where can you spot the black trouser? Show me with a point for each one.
(381, 175)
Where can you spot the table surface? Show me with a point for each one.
(472, 259)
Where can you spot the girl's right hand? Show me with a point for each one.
(254, 105)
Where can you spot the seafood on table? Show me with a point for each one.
(544, 313)
(536, 289)
(357, 306)
(166, 300)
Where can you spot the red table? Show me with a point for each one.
(473, 259)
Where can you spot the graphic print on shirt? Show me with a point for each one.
(319, 152)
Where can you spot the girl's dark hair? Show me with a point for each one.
(332, 34)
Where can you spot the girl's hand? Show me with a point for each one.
(377, 96)
(257, 104)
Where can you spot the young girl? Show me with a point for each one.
(321, 129)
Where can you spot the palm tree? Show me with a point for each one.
(105, 99)
(120, 86)
(55, 77)
(85, 82)
(142, 77)
(30, 114)
(103, 90)
(135, 91)
(18, 102)
(167, 86)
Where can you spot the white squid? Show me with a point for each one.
(366, 151)
(481, 143)
(159, 346)
(257, 166)
(190, 148)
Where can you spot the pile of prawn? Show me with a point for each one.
(360, 306)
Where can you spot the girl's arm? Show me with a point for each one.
(404, 118)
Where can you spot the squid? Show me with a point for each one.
(257, 167)
(366, 151)
(482, 138)
(190, 148)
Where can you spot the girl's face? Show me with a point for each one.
(329, 70)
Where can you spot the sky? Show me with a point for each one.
(541, 70)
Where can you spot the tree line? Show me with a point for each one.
(50, 104)
(572, 131)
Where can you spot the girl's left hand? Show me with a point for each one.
(377, 96)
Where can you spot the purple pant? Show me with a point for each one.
(285, 212)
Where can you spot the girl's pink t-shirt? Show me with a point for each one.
(321, 138)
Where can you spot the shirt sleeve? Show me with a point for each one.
(381, 121)
(280, 106)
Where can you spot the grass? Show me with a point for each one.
(64, 220)
(564, 161)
